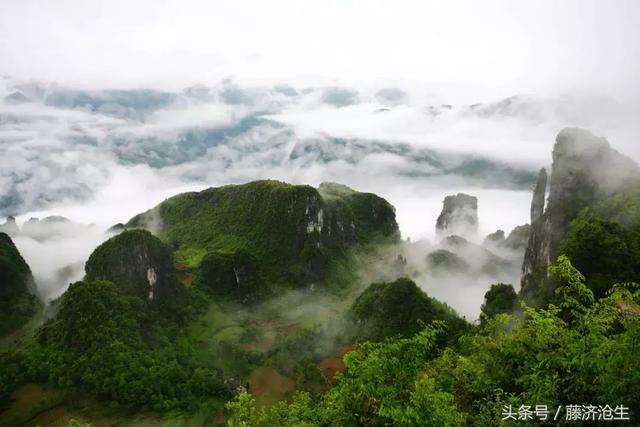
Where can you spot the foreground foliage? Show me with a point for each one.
(580, 351)
(112, 346)
(604, 241)
(399, 308)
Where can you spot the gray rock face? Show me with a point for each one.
(139, 264)
(536, 253)
(459, 216)
(585, 170)
(518, 239)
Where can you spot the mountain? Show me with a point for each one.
(225, 130)
(459, 215)
(17, 300)
(139, 264)
(585, 171)
(398, 308)
(603, 241)
(458, 256)
(286, 235)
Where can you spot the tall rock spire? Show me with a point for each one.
(585, 170)
(535, 253)
(459, 216)
(539, 192)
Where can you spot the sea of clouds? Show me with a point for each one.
(101, 156)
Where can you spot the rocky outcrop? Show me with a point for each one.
(116, 229)
(478, 259)
(17, 300)
(44, 229)
(585, 170)
(518, 239)
(536, 253)
(445, 261)
(459, 216)
(230, 276)
(293, 232)
(494, 239)
(139, 264)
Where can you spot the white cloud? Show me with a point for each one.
(497, 45)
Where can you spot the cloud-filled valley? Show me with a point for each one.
(101, 156)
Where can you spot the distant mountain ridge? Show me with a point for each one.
(230, 128)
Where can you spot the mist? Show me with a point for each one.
(100, 157)
(108, 109)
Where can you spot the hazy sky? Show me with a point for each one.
(445, 51)
(479, 46)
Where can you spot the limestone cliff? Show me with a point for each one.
(139, 264)
(286, 235)
(459, 216)
(585, 170)
(536, 253)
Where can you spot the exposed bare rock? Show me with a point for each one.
(459, 215)
(585, 170)
(535, 254)
(139, 264)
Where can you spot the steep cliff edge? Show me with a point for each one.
(536, 256)
(139, 264)
(585, 170)
(286, 235)
(459, 216)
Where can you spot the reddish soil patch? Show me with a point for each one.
(267, 338)
(341, 351)
(268, 386)
(185, 277)
(330, 366)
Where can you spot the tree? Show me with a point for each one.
(499, 299)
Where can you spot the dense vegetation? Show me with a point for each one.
(230, 276)
(293, 232)
(398, 309)
(447, 260)
(499, 299)
(140, 264)
(604, 241)
(580, 351)
(17, 303)
(110, 345)
(415, 361)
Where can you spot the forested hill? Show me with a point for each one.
(271, 304)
